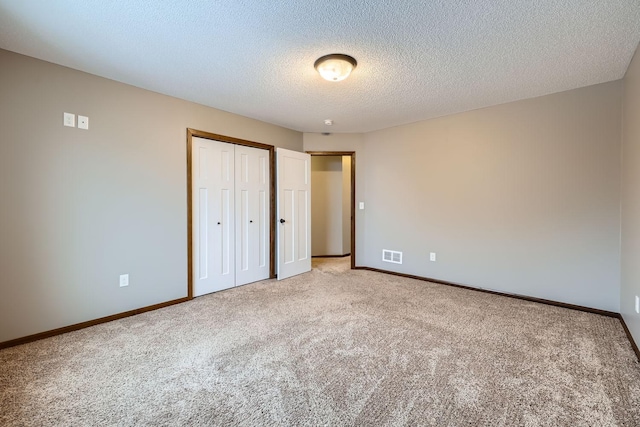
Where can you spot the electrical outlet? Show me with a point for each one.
(432, 256)
(637, 304)
(124, 280)
(69, 119)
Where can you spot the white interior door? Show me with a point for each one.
(213, 218)
(252, 214)
(294, 212)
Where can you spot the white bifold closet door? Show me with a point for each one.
(230, 215)
(252, 214)
(213, 180)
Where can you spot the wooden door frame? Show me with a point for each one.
(352, 154)
(191, 133)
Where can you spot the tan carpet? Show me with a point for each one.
(331, 347)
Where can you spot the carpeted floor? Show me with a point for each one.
(331, 347)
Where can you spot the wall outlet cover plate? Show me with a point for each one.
(69, 120)
(83, 122)
(124, 280)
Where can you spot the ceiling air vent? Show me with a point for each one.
(392, 256)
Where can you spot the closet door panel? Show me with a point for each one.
(252, 215)
(213, 220)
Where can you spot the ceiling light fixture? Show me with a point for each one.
(335, 67)
(328, 122)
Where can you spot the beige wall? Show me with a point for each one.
(521, 198)
(79, 208)
(326, 206)
(630, 283)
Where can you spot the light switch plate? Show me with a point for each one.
(432, 256)
(637, 304)
(69, 120)
(361, 205)
(83, 122)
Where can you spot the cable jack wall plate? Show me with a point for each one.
(83, 122)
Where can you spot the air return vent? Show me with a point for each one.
(392, 256)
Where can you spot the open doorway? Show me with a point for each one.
(333, 204)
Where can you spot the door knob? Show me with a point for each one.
(250, 221)
(218, 222)
(281, 221)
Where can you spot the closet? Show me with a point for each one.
(230, 215)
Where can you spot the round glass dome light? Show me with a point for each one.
(335, 67)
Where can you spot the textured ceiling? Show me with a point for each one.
(416, 59)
